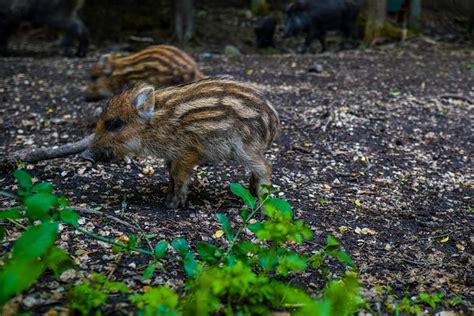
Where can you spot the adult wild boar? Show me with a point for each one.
(315, 17)
(264, 32)
(57, 14)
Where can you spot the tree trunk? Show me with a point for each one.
(470, 27)
(184, 20)
(375, 20)
(414, 19)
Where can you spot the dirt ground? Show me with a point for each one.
(376, 148)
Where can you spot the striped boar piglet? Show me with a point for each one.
(209, 120)
(160, 66)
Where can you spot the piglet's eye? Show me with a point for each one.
(114, 124)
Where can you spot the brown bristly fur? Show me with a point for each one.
(209, 120)
(160, 65)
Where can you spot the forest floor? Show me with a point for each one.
(376, 148)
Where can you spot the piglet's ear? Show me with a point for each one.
(144, 101)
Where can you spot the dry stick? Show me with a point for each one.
(457, 96)
(111, 217)
(117, 262)
(37, 154)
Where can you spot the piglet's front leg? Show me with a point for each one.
(180, 171)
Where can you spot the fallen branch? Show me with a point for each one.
(38, 154)
(111, 217)
(458, 97)
(82, 210)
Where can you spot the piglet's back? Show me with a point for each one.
(217, 108)
(160, 65)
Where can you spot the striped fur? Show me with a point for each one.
(209, 120)
(160, 65)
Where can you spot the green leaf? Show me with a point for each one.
(238, 190)
(290, 263)
(38, 206)
(247, 247)
(317, 260)
(342, 256)
(2, 234)
(230, 260)
(226, 226)
(273, 207)
(191, 267)
(43, 187)
(58, 261)
(457, 300)
(12, 213)
(160, 249)
(394, 93)
(255, 227)
(17, 276)
(344, 295)
(180, 245)
(148, 273)
(244, 214)
(267, 261)
(158, 301)
(132, 241)
(63, 201)
(35, 241)
(116, 287)
(332, 243)
(69, 217)
(208, 252)
(24, 179)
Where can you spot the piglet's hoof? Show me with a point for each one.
(174, 202)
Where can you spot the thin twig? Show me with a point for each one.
(422, 264)
(16, 223)
(111, 217)
(448, 233)
(9, 195)
(244, 225)
(118, 244)
(456, 96)
(117, 262)
(143, 233)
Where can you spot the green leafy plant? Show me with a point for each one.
(157, 301)
(432, 300)
(244, 275)
(34, 251)
(92, 293)
(417, 303)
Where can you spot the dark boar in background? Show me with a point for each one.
(264, 32)
(314, 18)
(57, 14)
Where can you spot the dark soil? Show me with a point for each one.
(376, 149)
